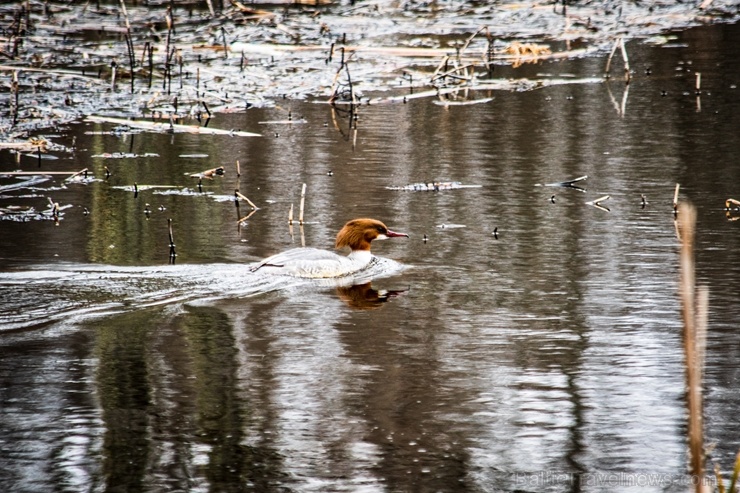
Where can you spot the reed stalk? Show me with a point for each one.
(173, 253)
(694, 304)
(129, 43)
(15, 87)
(675, 198)
(303, 201)
(627, 75)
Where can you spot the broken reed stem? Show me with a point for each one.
(238, 169)
(694, 319)
(698, 83)
(303, 201)
(173, 254)
(82, 171)
(129, 43)
(442, 64)
(15, 86)
(226, 46)
(113, 66)
(210, 8)
(450, 73)
(125, 16)
(131, 59)
(626, 61)
(244, 198)
(468, 41)
(290, 215)
(168, 19)
(609, 59)
(151, 63)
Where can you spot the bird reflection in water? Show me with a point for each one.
(365, 297)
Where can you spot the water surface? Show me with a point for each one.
(540, 358)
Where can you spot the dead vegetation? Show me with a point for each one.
(189, 59)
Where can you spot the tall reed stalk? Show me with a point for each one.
(694, 303)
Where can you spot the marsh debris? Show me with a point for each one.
(180, 59)
(435, 186)
(566, 184)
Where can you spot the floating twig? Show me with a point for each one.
(39, 173)
(169, 127)
(209, 173)
(566, 184)
(73, 175)
(597, 203)
(31, 145)
(432, 186)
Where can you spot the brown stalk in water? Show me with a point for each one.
(675, 198)
(303, 200)
(694, 304)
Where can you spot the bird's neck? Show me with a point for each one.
(360, 256)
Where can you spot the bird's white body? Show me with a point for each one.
(315, 263)
(320, 264)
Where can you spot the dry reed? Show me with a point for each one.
(694, 304)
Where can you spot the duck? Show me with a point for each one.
(315, 263)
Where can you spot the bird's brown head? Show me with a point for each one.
(359, 233)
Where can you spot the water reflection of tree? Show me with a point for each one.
(220, 413)
(168, 390)
(123, 391)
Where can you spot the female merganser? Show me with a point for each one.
(314, 263)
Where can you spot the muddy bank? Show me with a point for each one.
(191, 60)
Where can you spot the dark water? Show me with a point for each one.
(548, 357)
